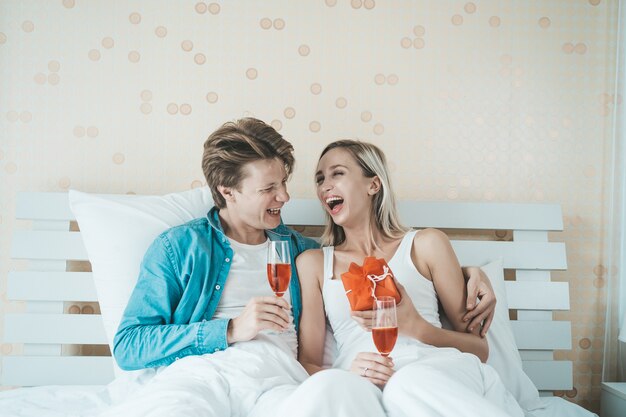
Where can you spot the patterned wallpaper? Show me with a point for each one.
(472, 101)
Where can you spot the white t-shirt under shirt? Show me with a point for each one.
(247, 279)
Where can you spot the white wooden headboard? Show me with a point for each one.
(46, 285)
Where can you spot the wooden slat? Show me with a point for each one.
(531, 295)
(536, 355)
(303, 212)
(549, 375)
(51, 286)
(481, 215)
(28, 244)
(60, 370)
(515, 255)
(55, 206)
(42, 206)
(54, 328)
(543, 217)
(45, 306)
(542, 335)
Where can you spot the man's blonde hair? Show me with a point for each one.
(233, 145)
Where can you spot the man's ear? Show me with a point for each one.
(226, 192)
(375, 185)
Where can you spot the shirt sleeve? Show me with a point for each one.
(147, 336)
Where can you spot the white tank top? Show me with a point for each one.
(247, 279)
(351, 338)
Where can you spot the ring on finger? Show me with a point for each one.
(365, 372)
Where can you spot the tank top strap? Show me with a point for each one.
(328, 261)
(404, 250)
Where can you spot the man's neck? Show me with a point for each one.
(238, 231)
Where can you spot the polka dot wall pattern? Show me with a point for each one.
(276, 124)
(146, 98)
(52, 77)
(464, 113)
(304, 50)
(23, 116)
(160, 31)
(212, 97)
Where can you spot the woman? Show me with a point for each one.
(434, 371)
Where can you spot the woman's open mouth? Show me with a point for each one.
(273, 211)
(334, 203)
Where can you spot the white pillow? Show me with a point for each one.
(118, 229)
(503, 354)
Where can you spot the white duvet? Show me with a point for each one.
(74, 401)
(227, 383)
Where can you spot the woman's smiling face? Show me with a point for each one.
(342, 188)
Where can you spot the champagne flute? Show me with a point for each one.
(278, 266)
(385, 325)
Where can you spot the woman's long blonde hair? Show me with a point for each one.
(373, 164)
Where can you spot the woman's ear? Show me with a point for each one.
(226, 192)
(375, 186)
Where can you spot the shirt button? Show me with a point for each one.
(217, 350)
(217, 287)
(227, 259)
(176, 358)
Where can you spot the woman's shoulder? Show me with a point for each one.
(310, 265)
(310, 257)
(429, 237)
(428, 247)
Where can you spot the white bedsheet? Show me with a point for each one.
(267, 369)
(558, 407)
(72, 401)
(53, 401)
(69, 400)
(224, 383)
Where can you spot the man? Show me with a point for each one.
(202, 288)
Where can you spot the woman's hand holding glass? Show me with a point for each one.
(373, 366)
(383, 324)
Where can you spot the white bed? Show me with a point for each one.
(77, 385)
(65, 401)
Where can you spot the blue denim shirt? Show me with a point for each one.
(170, 312)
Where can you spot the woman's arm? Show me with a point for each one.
(312, 335)
(434, 257)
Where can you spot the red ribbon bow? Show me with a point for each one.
(364, 284)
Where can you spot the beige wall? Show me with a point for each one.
(472, 101)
